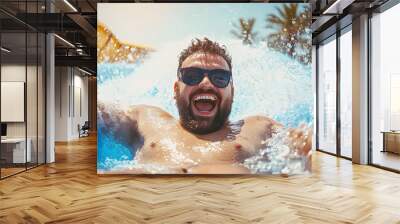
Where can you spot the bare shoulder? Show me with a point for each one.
(112, 111)
(258, 121)
(259, 126)
(144, 111)
(255, 130)
(149, 118)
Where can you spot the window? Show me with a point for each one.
(385, 89)
(346, 94)
(22, 77)
(327, 97)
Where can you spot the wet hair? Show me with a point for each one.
(206, 46)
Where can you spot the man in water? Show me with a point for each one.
(203, 140)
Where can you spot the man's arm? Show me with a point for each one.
(300, 140)
(122, 125)
(258, 129)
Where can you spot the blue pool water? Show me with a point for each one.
(266, 83)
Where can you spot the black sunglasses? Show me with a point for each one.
(193, 76)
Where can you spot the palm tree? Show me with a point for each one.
(305, 38)
(244, 30)
(292, 33)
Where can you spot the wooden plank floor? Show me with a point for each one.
(70, 191)
(10, 171)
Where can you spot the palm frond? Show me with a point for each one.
(290, 25)
(244, 30)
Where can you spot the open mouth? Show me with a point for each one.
(204, 104)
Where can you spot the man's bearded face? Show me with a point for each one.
(203, 108)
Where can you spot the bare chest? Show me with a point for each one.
(184, 150)
(166, 142)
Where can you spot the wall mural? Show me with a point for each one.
(204, 88)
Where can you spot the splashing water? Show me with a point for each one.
(277, 157)
(266, 83)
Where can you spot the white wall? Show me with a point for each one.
(71, 94)
(10, 73)
(13, 73)
(80, 109)
(61, 103)
(33, 127)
